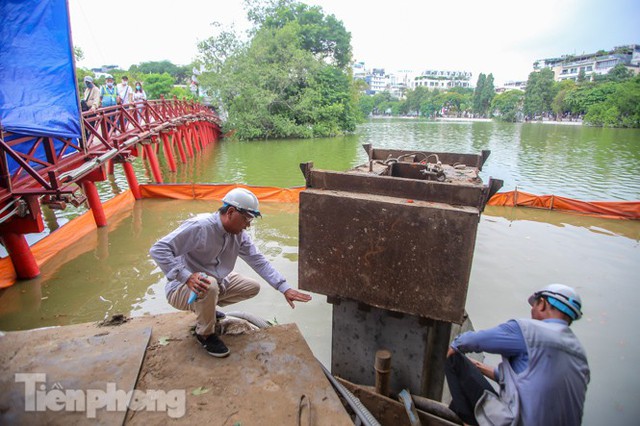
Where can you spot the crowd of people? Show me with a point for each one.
(110, 94)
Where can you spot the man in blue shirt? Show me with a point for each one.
(544, 371)
(199, 258)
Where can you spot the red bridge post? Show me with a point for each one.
(153, 162)
(12, 233)
(23, 261)
(132, 180)
(177, 140)
(168, 152)
(95, 205)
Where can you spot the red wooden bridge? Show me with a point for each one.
(56, 171)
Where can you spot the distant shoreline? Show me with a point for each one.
(481, 120)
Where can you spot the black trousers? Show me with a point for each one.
(467, 384)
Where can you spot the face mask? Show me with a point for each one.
(138, 87)
(109, 85)
(88, 84)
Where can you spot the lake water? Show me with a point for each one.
(517, 250)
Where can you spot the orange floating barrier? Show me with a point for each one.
(607, 209)
(217, 191)
(50, 246)
(71, 232)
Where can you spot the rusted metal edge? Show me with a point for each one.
(449, 193)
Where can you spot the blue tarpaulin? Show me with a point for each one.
(38, 91)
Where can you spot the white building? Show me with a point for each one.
(569, 67)
(443, 80)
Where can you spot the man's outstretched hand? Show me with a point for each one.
(294, 295)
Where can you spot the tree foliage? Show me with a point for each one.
(156, 85)
(289, 79)
(508, 105)
(621, 108)
(180, 74)
(483, 95)
(540, 92)
(78, 53)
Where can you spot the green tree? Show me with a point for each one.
(507, 106)
(275, 85)
(78, 53)
(430, 105)
(578, 101)
(621, 107)
(414, 100)
(539, 93)
(156, 85)
(180, 74)
(478, 93)
(366, 105)
(487, 95)
(323, 35)
(559, 106)
(619, 73)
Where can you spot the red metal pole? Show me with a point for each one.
(187, 139)
(132, 180)
(110, 167)
(168, 152)
(153, 161)
(23, 261)
(194, 138)
(203, 141)
(95, 205)
(177, 140)
(200, 135)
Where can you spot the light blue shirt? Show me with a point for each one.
(543, 377)
(505, 339)
(201, 244)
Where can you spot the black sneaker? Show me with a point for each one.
(220, 315)
(213, 345)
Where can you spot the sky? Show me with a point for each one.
(503, 37)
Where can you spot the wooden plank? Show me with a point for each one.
(72, 358)
(390, 412)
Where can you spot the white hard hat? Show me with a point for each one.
(108, 76)
(243, 200)
(562, 297)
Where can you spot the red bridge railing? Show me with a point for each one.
(51, 170)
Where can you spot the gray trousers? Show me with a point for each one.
(236, 289)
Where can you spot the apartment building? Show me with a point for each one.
(438, 79)
(399, 82)
(569, 67)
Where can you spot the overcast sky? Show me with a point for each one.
(503, 37)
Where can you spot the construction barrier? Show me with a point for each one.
(606, 209)
(45, 249)
(218, 191)
(71, 232)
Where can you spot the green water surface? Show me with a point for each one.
(517, 250)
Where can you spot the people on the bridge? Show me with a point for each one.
(544, 372)
(199, 256)
(108, 92)
(125, 92)
(139, 93)
(91, 95)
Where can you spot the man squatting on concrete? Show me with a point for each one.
(544, 372)
(199, 256)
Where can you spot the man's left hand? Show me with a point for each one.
(294, 295)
